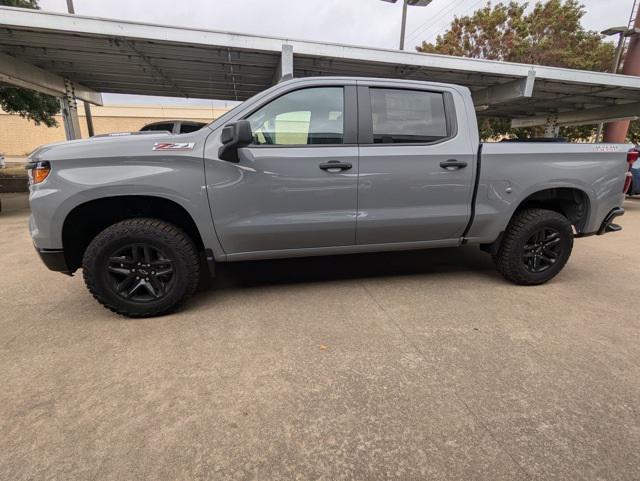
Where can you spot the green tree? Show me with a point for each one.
(31, 105)
(549, 34)
(634, 132)
(20, 3)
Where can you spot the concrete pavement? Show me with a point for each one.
(387, 366)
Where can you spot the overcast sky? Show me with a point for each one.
(371, 23)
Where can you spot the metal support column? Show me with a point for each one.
(284, 69)
(70, 104)
(69, 108)
(89, 119)
(403, 26)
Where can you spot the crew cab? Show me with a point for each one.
(314, 166)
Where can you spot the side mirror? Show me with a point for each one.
(233, 137)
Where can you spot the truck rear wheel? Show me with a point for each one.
(141, 267)
(536, 246)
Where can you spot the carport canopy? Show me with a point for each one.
(79, 57)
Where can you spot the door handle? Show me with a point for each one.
(453, 164)
(335, 164)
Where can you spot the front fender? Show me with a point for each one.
(73, 183)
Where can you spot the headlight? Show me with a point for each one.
(38, 171)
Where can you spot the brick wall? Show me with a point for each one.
(18, 136)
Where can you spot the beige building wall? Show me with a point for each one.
(19, 136)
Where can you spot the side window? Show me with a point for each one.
(303, 117)
(407, 116)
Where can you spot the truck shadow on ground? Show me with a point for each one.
(467, 259)
(353, 266)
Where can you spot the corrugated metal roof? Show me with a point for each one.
(135, 58)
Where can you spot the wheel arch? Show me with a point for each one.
(572, 202)
(88, 219)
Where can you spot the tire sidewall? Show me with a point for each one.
(109, 242)
(556, 222)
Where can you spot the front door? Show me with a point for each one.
(295, 186)
(416, 166)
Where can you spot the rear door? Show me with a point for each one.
(417, 164)
(295, 186)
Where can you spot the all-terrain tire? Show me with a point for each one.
(177, 248)
(510, 257)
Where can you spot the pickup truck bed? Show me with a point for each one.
(512, 171)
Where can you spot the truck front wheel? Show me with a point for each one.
(536, 246)
(141, 267)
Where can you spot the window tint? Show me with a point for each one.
(156, 127)
(401, 116)
(186, 128)
(303, 117)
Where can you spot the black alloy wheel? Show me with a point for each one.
(542, 250)
(141, 267)
(140, 273)
(535, 247)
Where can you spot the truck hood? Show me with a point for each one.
(101, 144)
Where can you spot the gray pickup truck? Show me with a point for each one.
(314, 166)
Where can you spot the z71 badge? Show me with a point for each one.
(173, 146)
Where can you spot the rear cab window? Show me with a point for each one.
(186, 128)
(402, 116)
(158, 127)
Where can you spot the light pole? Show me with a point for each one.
(405, 4)
(622, 33)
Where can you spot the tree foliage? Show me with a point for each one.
(549, 34)
(20, 3)
(31, 105)
(634, 132)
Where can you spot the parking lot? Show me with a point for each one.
(422, 365)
